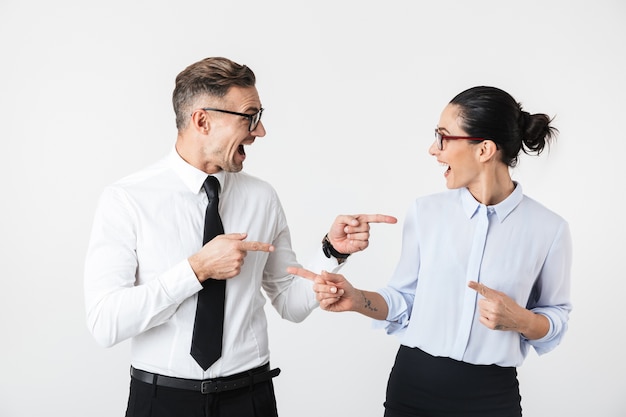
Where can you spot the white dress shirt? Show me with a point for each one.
(518, 247)
(139, 284)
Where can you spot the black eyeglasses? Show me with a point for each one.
(439, 138)
(254, 119)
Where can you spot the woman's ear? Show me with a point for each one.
(487, 150)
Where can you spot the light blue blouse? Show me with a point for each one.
(518, 247)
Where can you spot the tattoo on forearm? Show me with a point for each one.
(368, 303)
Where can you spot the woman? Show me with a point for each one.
(484, 272)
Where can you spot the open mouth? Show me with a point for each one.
(241, 150)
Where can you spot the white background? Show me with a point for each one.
(353, 90)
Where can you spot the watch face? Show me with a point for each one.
(326, 246)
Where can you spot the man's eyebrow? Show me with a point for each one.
(442, 130)
(253, 109)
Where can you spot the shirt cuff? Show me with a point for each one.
(321, 263)
(180, 282)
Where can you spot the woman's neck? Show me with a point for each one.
(493, 187)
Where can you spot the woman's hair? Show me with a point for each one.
(491, 113)
(209, 77)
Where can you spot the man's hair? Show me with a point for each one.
(211, 77)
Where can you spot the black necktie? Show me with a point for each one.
(206, 344)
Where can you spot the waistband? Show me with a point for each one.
(208, 386)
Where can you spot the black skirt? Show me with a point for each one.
(421, 385)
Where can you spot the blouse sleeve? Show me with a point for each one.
(551, 295)
(400, 292)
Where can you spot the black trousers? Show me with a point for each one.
(148, 400)
(421, 385)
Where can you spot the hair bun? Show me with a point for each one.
(524, 120)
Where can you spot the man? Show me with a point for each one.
(149, 277)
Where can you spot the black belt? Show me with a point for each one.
(208, 386)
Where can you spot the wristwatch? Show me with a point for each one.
(329, 251)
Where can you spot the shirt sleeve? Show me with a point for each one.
(293, 296)
(117, 308)
(551, 295)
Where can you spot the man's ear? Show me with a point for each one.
(487, 150)
(200, 122)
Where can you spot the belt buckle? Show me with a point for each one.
(208, 386)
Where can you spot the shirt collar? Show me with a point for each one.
(191, 176)
(502, 209)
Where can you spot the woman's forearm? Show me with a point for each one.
(371, 304)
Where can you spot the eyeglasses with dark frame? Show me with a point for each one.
(439, 138)
(254, 119)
